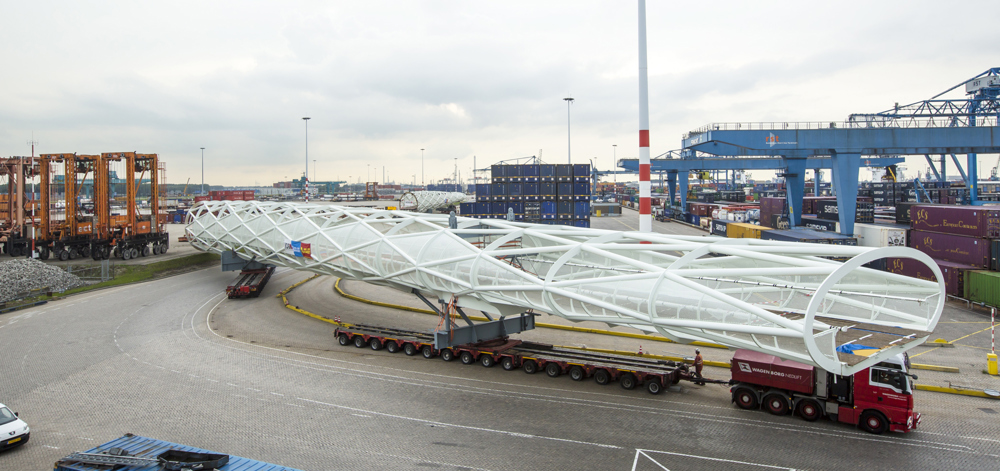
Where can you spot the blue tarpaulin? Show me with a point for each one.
(851, 347)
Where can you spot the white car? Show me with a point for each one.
(13, 431)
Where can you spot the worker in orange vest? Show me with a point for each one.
(699, 363)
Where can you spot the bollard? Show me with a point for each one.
(991, 364)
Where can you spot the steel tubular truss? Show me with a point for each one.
(791, 300)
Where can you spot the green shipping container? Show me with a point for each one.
(983, 286)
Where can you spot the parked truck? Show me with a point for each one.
(877, 399)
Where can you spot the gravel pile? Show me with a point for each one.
(21, 275)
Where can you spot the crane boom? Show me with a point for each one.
(785, 299)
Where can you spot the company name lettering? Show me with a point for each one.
(777, 373)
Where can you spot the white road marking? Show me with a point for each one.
(646, 454)
(466, 427)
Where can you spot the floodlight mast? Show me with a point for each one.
(785, 299)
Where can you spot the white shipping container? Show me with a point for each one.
(871, 235)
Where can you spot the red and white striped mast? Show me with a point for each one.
(645, 215)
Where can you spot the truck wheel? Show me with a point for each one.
(427, 351)
(776, 404)
(126, 254)
(602, 377)
(359, 341)
(530, 367)
(627, 381)
(553, 370)
(410, 349)
(653, 386)
(85, 251)
(467, 358)
(73, 255)
(745, 398)
(391, 346)
(63, 255)
(576, 373)
(447, 354)
(145, 251)
(809, 410)
(375, 344)
(874, 422)
(344, 339)
(507, 363)
(135, 253)
(487, 361)
(43, 253)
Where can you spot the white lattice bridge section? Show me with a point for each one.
(786, 299)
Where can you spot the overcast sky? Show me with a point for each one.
(381, 80)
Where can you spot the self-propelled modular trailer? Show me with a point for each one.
(878, 399)
(628, 371)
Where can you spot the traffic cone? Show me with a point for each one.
(640, 350)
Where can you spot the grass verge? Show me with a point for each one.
(137, 273)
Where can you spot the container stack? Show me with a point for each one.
(227, 195)
(961, 239)
(536, 193)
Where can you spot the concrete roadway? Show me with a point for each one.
(173, 359)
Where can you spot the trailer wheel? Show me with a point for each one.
(359, 341)
(427, 351)
(135, 253)
(602, 377)
(776, 404)
(163, 250)
(553, 370)
(530, 367)
(577, 374)
(145, 251)
(874, 422)
(653, 386)
(73, 255)
(63, 255)
(487, 360)
(447, 354)
(375, 344)
(391, 346)
(467, 358)
(43, 253)
(85, 251)
(126, 254)
(809, 410)
(344, 339)
(627, 381)
(409, 349)
(745, 398)
(507, 363)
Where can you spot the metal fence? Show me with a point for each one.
(96, 273)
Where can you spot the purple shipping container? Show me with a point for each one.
(974, 221)
(953, 273)
(953, 248)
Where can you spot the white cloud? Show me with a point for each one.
(383, 79)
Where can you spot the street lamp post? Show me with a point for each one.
(569, 154)
(421, 167)
(202, 171)
(314, 169)
(305, 176)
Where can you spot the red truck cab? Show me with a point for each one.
(877, 399)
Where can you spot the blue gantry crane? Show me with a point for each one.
(928, 127)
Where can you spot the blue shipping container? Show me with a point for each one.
(547, 189)
(482, 189)
(515, 189)
(530, 189)
(142, 447)
(499, 189)
(530, 170)
(582, 223)
(482, 208)
(582, 209)
(581, 170)
(467, 209)
(547, 171)
(565, 189)
(548, 207)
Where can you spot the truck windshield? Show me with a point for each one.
(6, 416)
(894, 379)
